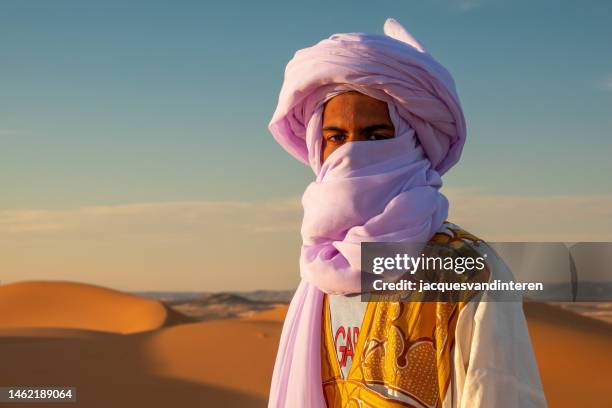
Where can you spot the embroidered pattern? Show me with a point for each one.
(403, 353)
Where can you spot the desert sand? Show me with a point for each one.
(121, 350)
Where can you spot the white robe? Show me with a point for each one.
(493, 361)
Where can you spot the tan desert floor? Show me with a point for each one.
(121, 350)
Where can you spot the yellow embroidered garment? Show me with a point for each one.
(403, 353)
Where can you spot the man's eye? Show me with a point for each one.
(337, 138)
(378, 136)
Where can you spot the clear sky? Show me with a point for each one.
(160, 108)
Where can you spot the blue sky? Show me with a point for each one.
(134, 142)
(119, 102)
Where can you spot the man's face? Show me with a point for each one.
(352, 117)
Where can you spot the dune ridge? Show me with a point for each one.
(71, 305)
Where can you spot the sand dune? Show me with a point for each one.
(74, 340)
(80, 306)
(574, 354)
(224, 363)
(275, 314)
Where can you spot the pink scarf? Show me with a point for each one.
(375, 191)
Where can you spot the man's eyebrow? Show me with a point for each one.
(333, 129)
(378, 126)
(367, 129)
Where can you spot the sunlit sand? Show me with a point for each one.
(123, 350)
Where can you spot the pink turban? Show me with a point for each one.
(392, 67)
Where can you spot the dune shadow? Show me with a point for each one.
(107, 371)
(155, 392)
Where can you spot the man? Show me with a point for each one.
(379, 121)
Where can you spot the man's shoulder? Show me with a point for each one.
(454, 241)
(453, 234)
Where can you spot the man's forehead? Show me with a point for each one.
(355, 109)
